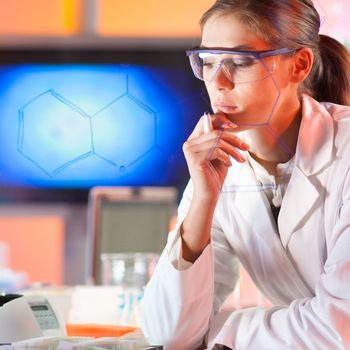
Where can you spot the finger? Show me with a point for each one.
(211, 155)
(217, 135)
(220, 121)
(217, 121)
(231, 150)
(209, 149)
(221, 155)
(234, 140)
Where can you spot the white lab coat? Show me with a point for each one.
(303, 267)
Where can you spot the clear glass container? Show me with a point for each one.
(129, 272)
(127, 269)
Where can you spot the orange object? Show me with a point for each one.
(25, 17)
(96, 330)
(36, 245)
(152, 18)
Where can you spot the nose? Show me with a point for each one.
(222, 79)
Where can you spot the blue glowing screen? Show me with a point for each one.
(81, 125)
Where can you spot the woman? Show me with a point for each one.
(270, 187)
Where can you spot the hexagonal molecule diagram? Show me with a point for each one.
(116, 131)
(53, 133)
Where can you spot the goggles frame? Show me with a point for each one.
(257, 54)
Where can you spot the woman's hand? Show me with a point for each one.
(208, 155)
(208, 159)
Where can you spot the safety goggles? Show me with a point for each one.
(238, 66)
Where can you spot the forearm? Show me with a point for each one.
(208, 155)
(301, 325)
(196, 227)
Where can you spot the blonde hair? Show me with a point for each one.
(295, 24)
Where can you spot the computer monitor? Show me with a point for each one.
(125, 220)
(74, 119)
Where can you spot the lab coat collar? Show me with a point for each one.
(258, 234)
(315, 142)
(313, 154)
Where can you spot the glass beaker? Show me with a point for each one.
(127, 269)
(130, 272)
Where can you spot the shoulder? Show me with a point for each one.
(340, 116)
(327, 122)
(327, 109)
(339, 113)
(341, 119)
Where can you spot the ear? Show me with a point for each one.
(303, 60)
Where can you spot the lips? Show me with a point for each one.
(225, 107)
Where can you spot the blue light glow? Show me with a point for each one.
(80, 125)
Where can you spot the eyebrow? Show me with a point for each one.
(235, 48)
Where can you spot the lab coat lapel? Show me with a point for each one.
(313, 154)
(250, 200)
(257, 241)
(298, 201)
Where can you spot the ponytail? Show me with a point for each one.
(329, 80)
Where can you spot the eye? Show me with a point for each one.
(208, 64)
(243, 62)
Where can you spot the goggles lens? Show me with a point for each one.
(238, 67)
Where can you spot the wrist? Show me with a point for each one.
(207, 199)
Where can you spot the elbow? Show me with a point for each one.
(159, 333)
(171, 342)
(172, 336)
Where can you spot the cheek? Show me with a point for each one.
(259, 94)
(212, 93)
(258, 99)
(255, 101)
